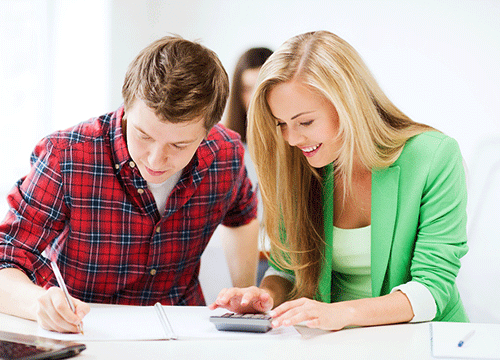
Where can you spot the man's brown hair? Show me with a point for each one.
(179, 80)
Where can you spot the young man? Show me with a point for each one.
(141, 191)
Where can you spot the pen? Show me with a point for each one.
(466, 338)
(62, 285)
(167, 327)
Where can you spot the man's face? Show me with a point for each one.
(160, 149)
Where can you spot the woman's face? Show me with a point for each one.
(307, 120)
(248, 81)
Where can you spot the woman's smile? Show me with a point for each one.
(310, 151)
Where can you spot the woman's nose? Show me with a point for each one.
(293, 137)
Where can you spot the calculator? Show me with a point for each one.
(259, 323)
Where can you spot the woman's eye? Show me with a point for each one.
(306, 123)
(280, 124)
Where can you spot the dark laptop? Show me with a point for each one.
(29, 347)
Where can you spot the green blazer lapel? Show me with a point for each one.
(325, 278)
(385, 183)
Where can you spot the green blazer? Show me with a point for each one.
(418, 223)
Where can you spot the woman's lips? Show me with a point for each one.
(310, 151)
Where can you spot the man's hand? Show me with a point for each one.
(53, 312)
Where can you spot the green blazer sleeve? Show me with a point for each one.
(419, 222)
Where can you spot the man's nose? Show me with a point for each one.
(157, 158)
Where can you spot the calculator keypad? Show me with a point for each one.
(242, 322)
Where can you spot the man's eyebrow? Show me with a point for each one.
(140, 130)
(189, 141)
(181, 142)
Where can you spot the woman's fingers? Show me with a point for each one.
(286, 306)
(243, 300)
(311, 313)
(291, 313)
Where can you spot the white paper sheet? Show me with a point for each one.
(112, 323)
(484, 344)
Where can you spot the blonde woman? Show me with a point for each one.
(364, 207)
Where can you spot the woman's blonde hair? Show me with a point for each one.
(371, 128)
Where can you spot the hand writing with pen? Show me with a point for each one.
(56, 309)
(54, 313)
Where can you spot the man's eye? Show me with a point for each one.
(143, 136)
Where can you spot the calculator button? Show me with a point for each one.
(242, 322)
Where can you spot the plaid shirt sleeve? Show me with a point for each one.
(243, 202)
(37, 214)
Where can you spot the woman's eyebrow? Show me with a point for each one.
(300, 114)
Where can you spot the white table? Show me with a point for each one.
(402, 341)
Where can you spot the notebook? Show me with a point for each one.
(29, 347)
(126, 323)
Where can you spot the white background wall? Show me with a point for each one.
(438, 60)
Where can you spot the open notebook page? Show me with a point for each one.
(116, 322)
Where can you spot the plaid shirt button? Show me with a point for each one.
(132, 164)
(153, 272)
(140, 191)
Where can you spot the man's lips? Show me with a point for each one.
(154, 172)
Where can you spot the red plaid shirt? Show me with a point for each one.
(119, 249)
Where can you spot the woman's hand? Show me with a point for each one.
(53, 312)
(244, 300)
(313, 314)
